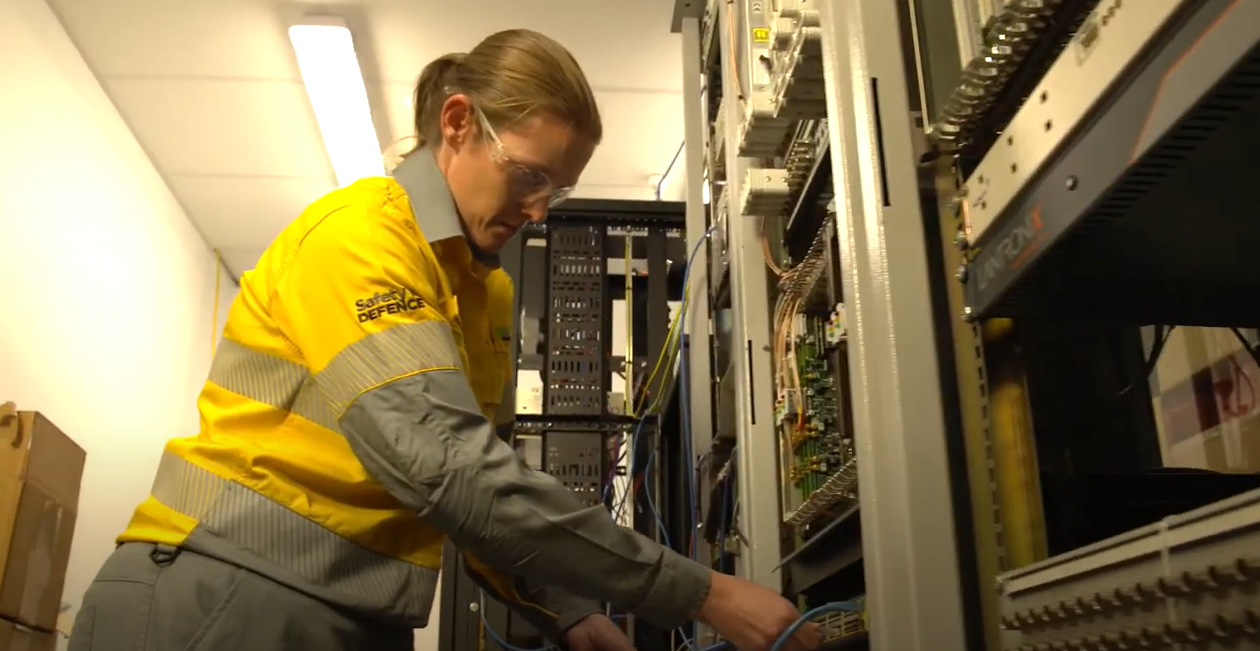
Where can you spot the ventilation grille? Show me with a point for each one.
(1236, 93)
(575, 360)
(576, 460)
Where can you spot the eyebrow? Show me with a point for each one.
(536, 165)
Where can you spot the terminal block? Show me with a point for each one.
(763, 132)
(799, 11)
(799, 88)
(717, 145)
(795, 89)
(786, 406)
(765, 193)
(837, 328)
(718, 259)
(781, 31)
(1189, 582)
(801, 155)
(710, 24)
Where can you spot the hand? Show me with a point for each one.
(596, 633)
(751, 616)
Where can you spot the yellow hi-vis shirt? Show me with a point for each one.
(346, 430)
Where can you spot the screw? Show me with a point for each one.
(961, 273)
(969, 316)
(1071, 182)
(474, 607)
(960, 241)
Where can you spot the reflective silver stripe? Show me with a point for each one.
(257, 376)
(387, 355)
(311, 405)
(325, 562)
(270, 380)
(371, 361)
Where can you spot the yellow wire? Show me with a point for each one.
(673, 344)
(670, 339)
(214, 317)
(666, 353)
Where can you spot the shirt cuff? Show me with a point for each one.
(680, 589)
(567, 619)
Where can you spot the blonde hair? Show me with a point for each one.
(508, 76)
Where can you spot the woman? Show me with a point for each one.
(345, 423)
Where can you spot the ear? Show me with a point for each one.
(457, 120)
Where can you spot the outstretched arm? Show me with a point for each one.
(392, 376)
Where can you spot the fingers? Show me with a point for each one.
(806, 638)
(814, 635)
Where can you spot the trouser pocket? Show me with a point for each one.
(148, 598)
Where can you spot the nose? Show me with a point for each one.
(536, 211)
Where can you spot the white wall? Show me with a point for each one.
(427, 638)
(106, 290)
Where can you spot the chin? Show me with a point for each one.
(492, 241)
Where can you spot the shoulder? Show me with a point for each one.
(366, 223)
(363, 225)
(368, 209)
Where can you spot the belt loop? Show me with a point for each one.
(163, 555)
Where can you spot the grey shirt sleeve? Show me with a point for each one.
(565, 609)
(424, 437)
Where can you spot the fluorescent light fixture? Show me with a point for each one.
(334, 83)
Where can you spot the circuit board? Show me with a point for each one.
(812, 419)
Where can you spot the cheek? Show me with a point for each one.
(494, 190)
(487, 193)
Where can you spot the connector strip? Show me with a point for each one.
(1007, 40)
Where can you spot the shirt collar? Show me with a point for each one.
(432, 204)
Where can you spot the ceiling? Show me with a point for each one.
(211, 90)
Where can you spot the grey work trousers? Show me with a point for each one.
(157, 598)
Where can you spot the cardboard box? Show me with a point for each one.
(1206, 393)
(40, 473)
(15, 637)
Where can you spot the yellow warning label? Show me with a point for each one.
(761, 35)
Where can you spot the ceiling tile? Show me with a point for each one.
(244, 211)
(233, 128)
(181, 38)
(618, 44)
(238, 261)
(211, 90)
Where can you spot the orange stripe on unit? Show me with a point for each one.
(1159, 91)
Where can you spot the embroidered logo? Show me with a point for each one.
(394, 301)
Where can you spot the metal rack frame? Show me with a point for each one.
(906, 509)
(577, 420)
(756, 441)
(698, 325)
(1055, 160)
(908, 528)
